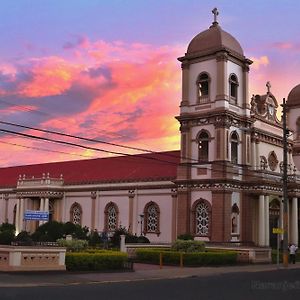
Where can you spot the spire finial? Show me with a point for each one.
(215, 13)
(268, 85)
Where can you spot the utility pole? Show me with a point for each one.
(285, 190)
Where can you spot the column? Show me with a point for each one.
(46, 204)
(253, 155)
(261, 220)
(185, 84)
(174, 214)
(6, 197)
(246, 86)
(42, 207)
(267, 221)
(18, 216)
(131, 194)
(257, 162)
(46, 207)
(97, 212)
(64, 217)
(294, 221)
(222, 82)
(21, 214)
(42, 204)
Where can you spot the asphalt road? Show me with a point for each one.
(279, 284)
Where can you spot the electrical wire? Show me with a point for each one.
(78, 145)
(188, 165)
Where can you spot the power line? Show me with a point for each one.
(78, 145)
(188, 165)
(76, 137)
(46, 150)
(92, 140)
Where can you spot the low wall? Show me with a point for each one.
(31, 258)
(248, 254)
(245, 254)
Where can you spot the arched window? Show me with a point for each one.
(203, 87)
(235, 212)
(203, 144)
(201, 213)
(263, 163)
(111, 217)
(151, 218)
(76, 214)
(234, 142)
(233, 87)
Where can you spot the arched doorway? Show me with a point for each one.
(274, 217)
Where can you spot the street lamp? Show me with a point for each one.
(285, 190)
(141, 222)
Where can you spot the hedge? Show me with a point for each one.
(189, 259)
(73, 245)
(108, 260)
(188, 246)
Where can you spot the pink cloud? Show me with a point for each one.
(258, 62)
(137, 101)
(50, 76)
(283, 45)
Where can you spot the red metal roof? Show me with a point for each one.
(140, 167)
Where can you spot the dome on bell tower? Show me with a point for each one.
(294, 97)
(214, 39)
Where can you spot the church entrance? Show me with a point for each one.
(274, 218)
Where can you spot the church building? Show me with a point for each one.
(223, 186)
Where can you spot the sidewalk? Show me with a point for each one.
(142, 272)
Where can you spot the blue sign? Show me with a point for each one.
(37, 215)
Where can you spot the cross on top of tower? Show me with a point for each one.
(268, 85)
(215, 13)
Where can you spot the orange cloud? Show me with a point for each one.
(258, 62)
(141, 104)
(50, 76)
(128, 94)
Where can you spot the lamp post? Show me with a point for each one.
(285, 191)
(141, 222)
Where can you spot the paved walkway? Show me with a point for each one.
(141, 272)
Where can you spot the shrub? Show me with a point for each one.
(143, 240)
(73, 245)
(50, 232)
(188, 246)
(6, 237)
(186, 237)
(210, 258)
(189, 259)
(94, 238)
(107, 260)
(24, 238)
(53, 230)
(7, 233)
(129, 238)
(116, 238)
(7, 226)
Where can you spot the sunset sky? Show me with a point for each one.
(108, 70)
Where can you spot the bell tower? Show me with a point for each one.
(214, 121)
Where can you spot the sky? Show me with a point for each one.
(108, 70)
